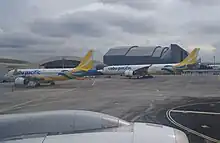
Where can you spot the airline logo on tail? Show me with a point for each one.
(85, 64)
(191, 59)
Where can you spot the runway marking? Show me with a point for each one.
(195, 112)
(19, 105)
(31, 101)
(46, 102)
(169, 117)
(151, 106)
(93, 83)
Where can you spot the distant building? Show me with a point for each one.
(62, 62)
(9, 64)
(144, 55)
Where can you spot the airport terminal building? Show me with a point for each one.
(128, 55)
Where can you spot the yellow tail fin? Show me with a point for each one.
(86, 63)
(190, 59)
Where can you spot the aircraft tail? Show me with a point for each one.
(191, 59)
(86, 63)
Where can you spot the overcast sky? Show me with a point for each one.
(35, 29)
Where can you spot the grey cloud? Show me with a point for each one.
(202, 28)
(14, 14)
(105, 24)
(22, 40)
(203, 2)
(65, 27)
(137, 4)
(217, 46)
(93, 24)
(128, 23)
(210, 29)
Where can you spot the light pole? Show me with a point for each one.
(63, 62)
(214, 51)
(214, 61)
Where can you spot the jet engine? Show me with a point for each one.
(21, 81)
(129, 73)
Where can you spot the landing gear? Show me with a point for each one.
(37, 84)
(33, 84)
(52, 83)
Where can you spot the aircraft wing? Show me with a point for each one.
(82, 127)
(142, 70)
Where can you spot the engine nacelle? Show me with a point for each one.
(20, 81)
(129, 73)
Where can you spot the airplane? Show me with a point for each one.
(148, 69)
(216, 67)
(33, 77)
(81, 126)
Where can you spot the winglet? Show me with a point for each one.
(190, 59)
(86, 63)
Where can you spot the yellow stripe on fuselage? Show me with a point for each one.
(58, 78)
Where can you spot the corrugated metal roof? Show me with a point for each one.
(166, 54)
(55, 58)
(74, 58)
(118, 51)
(157, 52)
(141, 51)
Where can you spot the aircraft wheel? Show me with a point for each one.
(52, 83)
(32, 84)
(37, 84)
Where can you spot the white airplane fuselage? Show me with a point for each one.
(159, 68)
(120, 69)
(29, 72)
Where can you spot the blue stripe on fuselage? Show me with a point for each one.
(29, 72)
(83, 73)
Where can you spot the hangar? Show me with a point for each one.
(62, 62)
(128, 55)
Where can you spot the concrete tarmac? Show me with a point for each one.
(112, 96)
(130, 99)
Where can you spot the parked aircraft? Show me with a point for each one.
(81, 126)
(34, 77)
(214, 66)
(143, 70)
